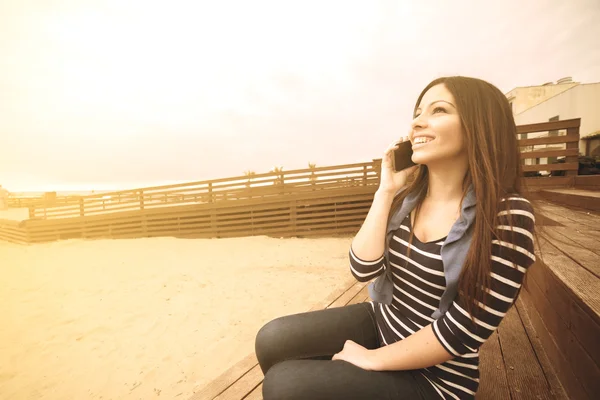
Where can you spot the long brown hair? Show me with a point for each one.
(494, 172)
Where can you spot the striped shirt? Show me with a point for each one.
(419, 283)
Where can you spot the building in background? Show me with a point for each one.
(523, 98)
(592, 144)
(562, 100)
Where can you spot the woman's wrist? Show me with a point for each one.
(385, 194)
(374, 360)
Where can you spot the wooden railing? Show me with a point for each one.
(303, 202)
(259, 186)
(25, 201)
(562, 143)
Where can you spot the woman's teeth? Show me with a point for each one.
(422, 139)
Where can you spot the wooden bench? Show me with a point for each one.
(513, 364)
(563, 296)
(548, 344)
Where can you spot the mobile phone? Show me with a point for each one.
(402, 156)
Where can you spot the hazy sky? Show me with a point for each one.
(97, 93)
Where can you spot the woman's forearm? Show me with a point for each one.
(419, 350)
(369, 242)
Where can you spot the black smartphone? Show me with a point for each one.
(402, 156)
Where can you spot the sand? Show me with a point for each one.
(148, 318)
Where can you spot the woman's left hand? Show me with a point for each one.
(356, 354)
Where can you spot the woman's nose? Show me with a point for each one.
(418, 123)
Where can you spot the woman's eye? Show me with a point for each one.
(438, 109)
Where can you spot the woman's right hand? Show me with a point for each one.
(392, 181)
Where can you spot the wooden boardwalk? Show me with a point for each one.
(547, 345)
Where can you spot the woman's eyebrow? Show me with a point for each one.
(438, 101)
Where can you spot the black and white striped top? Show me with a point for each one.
(418, 286)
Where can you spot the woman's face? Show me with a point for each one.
(436, 134)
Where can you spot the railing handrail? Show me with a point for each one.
(263, 183)
(549, 126)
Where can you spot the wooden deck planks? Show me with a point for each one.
(566, 242)
(582, 238)
(243, 386)
(493, 381)
(225, 380)
(568, 379)
(587, 199)
(526, 378)
(556, 387)
(573, 218)
(256, 394)
(581, 283)
(565, 343)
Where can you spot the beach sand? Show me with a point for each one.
(149, 318)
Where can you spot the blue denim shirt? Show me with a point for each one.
(453, 252)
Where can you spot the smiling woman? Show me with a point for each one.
(437, 134)
(450, 251)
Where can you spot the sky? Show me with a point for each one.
(117, 94)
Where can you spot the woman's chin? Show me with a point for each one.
(420, 159)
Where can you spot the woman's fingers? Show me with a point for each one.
(393, 145)
(411, 169)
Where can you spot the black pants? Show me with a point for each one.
(295, 353)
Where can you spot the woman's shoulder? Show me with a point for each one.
(515, 200)
(515, 205)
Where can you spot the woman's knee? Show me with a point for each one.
(281, 382)
(266, 343)
(271, 388)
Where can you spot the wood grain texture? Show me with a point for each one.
(548, 126)
(493, 381)
(576, 219)
(243, 386)
(556, 387)
(587, 200)
(565, 241)
(568, 379)
(225, 380)
(526, 379)
(583, 286)
(577, 357)
(582, 238)
(549, 140)
(255, 394)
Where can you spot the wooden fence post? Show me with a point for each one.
(210, 193)
(364, 179)
(141, 194)
(572, 159)
(81, 207)
(31, 212)
(293, 217)
(213, 222)
(144, 225)
(377, 168)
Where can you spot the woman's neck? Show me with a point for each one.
(446, 185)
